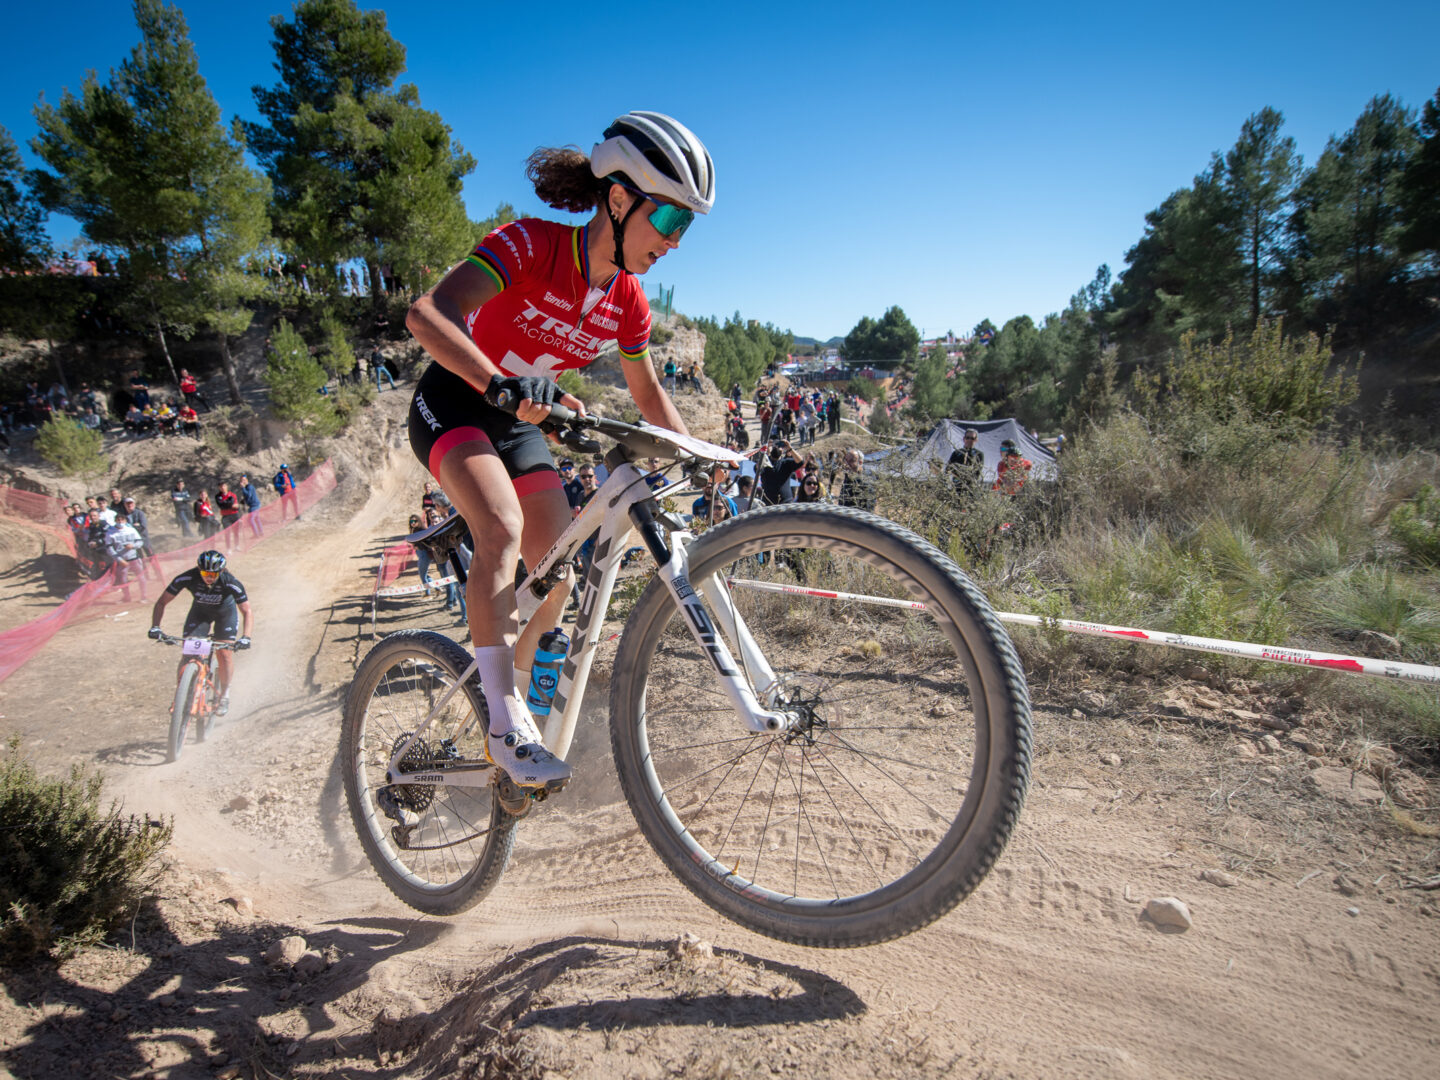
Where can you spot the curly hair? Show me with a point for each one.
(563, 179)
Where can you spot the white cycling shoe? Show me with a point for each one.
(522, 754)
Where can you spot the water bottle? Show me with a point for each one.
(545, 672)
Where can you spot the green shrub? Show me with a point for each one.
(337, 354)
(295, 379)
(660, 334)
(74, 450)
(70, 872)
(1415, 526)
(864, 389)
(572, 382)
(349, 398)
(1286, 383)
(1377, 599)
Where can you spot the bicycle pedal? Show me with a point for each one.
(514, 799)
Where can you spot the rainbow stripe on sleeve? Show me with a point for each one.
(487, 261)
(635, 352)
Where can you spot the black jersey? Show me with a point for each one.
(226, 590)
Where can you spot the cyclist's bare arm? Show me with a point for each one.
(437, 320)
(247, 621)
(158, 611)
(650, 397)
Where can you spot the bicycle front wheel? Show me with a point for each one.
(905, 768)
(439, 848)
(182, 711)
(205, 721)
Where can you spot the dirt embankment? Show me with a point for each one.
(1309, 955)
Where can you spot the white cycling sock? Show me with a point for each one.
(497, 679)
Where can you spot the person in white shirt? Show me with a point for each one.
(125, 545)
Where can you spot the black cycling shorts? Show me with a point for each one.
(446, 411)
(226, 623)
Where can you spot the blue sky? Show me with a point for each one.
(961, 161)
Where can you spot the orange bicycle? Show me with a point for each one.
(197, 693)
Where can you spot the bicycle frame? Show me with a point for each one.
(206, 664)
(621, 505)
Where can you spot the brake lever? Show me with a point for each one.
(577, 441)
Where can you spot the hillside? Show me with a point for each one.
(1312, 953)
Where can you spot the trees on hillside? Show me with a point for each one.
(144, 164)
(1348, 245)
(741, 349)
(1259, 175)
(23, 243)
(892, 337)
(1347, 257)
(1420, 190)
(359, 169)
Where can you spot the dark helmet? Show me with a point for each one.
(212, 562)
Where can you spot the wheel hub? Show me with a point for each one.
(805, 721)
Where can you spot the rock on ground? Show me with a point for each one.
(1169, 912)
(1351, 788)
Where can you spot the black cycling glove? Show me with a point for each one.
(155, 633)
(243, 643)
(540, 390)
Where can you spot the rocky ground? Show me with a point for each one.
(1295, 934)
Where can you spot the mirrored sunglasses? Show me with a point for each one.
(669, 221)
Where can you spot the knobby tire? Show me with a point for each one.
(461, 838)
(182, 711)
(897, 796)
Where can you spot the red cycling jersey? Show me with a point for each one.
(547, 319)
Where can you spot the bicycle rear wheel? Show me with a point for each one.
(895, 793)
(182, 711)
(439, 848)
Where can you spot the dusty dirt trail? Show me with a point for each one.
(1047, 971)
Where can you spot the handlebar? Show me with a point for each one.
(170, 639)
(640, 440)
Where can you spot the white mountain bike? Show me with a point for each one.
(817, 720)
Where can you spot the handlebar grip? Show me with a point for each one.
(559, 414)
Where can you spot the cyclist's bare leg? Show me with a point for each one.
(480, 488)
(477, 483)
(504, 526)
(225, 664)
(547, 513)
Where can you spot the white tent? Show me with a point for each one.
(933, 453)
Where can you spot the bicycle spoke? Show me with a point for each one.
(873, 766)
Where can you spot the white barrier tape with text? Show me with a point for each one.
(1277, 654)
(411, 590)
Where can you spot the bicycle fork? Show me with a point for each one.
(735, 679)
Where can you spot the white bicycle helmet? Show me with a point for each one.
(658, 155)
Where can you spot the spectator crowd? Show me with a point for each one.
(139, 411)
(114, 529)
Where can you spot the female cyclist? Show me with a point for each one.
(533, 299)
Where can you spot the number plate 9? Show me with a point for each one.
(196, 646)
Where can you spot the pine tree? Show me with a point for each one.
(145, 165)
(295, 379)
(1347, 227)
(359, 169)
(1260, 173)
(23, 243)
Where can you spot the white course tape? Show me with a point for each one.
(1278, 654)
(411, 590)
